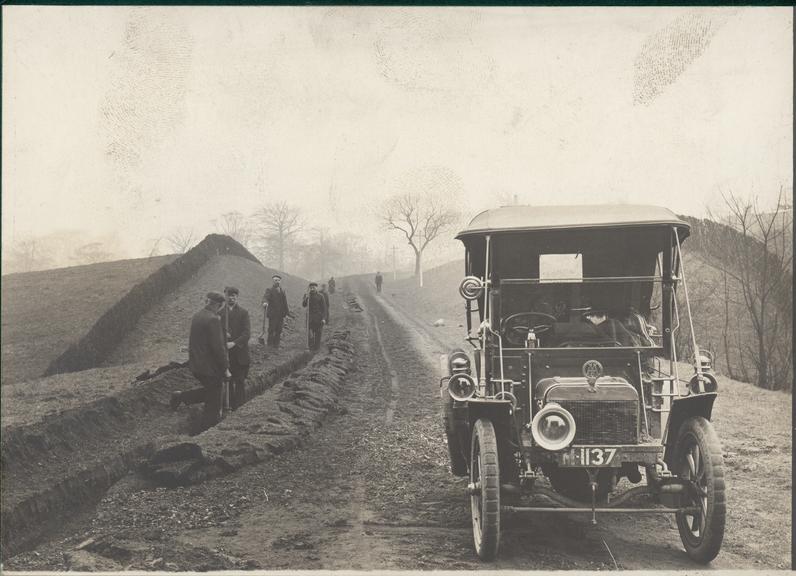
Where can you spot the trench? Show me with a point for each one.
(39, 499)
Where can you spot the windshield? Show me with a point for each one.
(590, 313)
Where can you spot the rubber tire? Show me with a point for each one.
(485, 506)
(699, 431)
(574, 483)
(455, 453)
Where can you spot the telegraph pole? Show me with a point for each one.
(394, 270)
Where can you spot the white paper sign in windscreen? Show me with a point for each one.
(560, 268)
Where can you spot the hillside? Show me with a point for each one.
(43, 312)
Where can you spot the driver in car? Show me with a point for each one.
(611, 329)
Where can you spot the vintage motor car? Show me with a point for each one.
(572, 391)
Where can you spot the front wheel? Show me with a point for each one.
(698, 459)
(485, 490)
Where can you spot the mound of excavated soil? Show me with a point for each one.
(156, 341)
(67, 437)
(162, 333)
(43, 312)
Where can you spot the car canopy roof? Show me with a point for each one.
(530, 218)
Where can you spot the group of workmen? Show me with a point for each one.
(218, 343)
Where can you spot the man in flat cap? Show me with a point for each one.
(207, 359)
(275, 308)
(316, 315)
(237, 326)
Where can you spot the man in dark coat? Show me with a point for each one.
(275, 306)
(316, 315)
(332, 285)
(379, 280)
(207, 359)
(237, 325)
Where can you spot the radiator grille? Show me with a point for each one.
(605, 421)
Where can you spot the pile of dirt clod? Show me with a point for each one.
(269, 424)
(44, 311)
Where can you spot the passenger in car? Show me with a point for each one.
(611, 329)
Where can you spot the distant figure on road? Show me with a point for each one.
(207, 359)
(379, 280)
(275, 306)
(316, 315)
(237, 324)
(332, 285)
(326, 299)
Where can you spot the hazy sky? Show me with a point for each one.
(134, 121)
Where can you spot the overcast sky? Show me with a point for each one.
(134, 121)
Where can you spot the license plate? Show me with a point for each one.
(592, 456)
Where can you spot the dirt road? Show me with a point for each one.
(370, 489)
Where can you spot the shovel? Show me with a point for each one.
(261, 337)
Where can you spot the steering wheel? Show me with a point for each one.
(515, 332)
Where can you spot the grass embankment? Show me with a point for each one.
(43, 312)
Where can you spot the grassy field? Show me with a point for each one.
(43, 312)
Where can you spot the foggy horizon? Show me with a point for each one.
(124, 125)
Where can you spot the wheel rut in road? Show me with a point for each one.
(394, 385)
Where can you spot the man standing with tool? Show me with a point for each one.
(207, 359)
(275, 307)
(379, 280)
(238, 330)
(316, 315)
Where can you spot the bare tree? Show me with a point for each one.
(421, 219)
(180, 240)
(28, 255)
(754, 252)
(276, 226)
(235, 225)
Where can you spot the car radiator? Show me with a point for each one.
(604, 421)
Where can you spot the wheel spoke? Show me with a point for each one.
(689, 458)
(692, 524)
(699, 464)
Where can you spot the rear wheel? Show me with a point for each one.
(698, 459)
(485, 490)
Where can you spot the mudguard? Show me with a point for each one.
(682, 409)
(499, 413)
